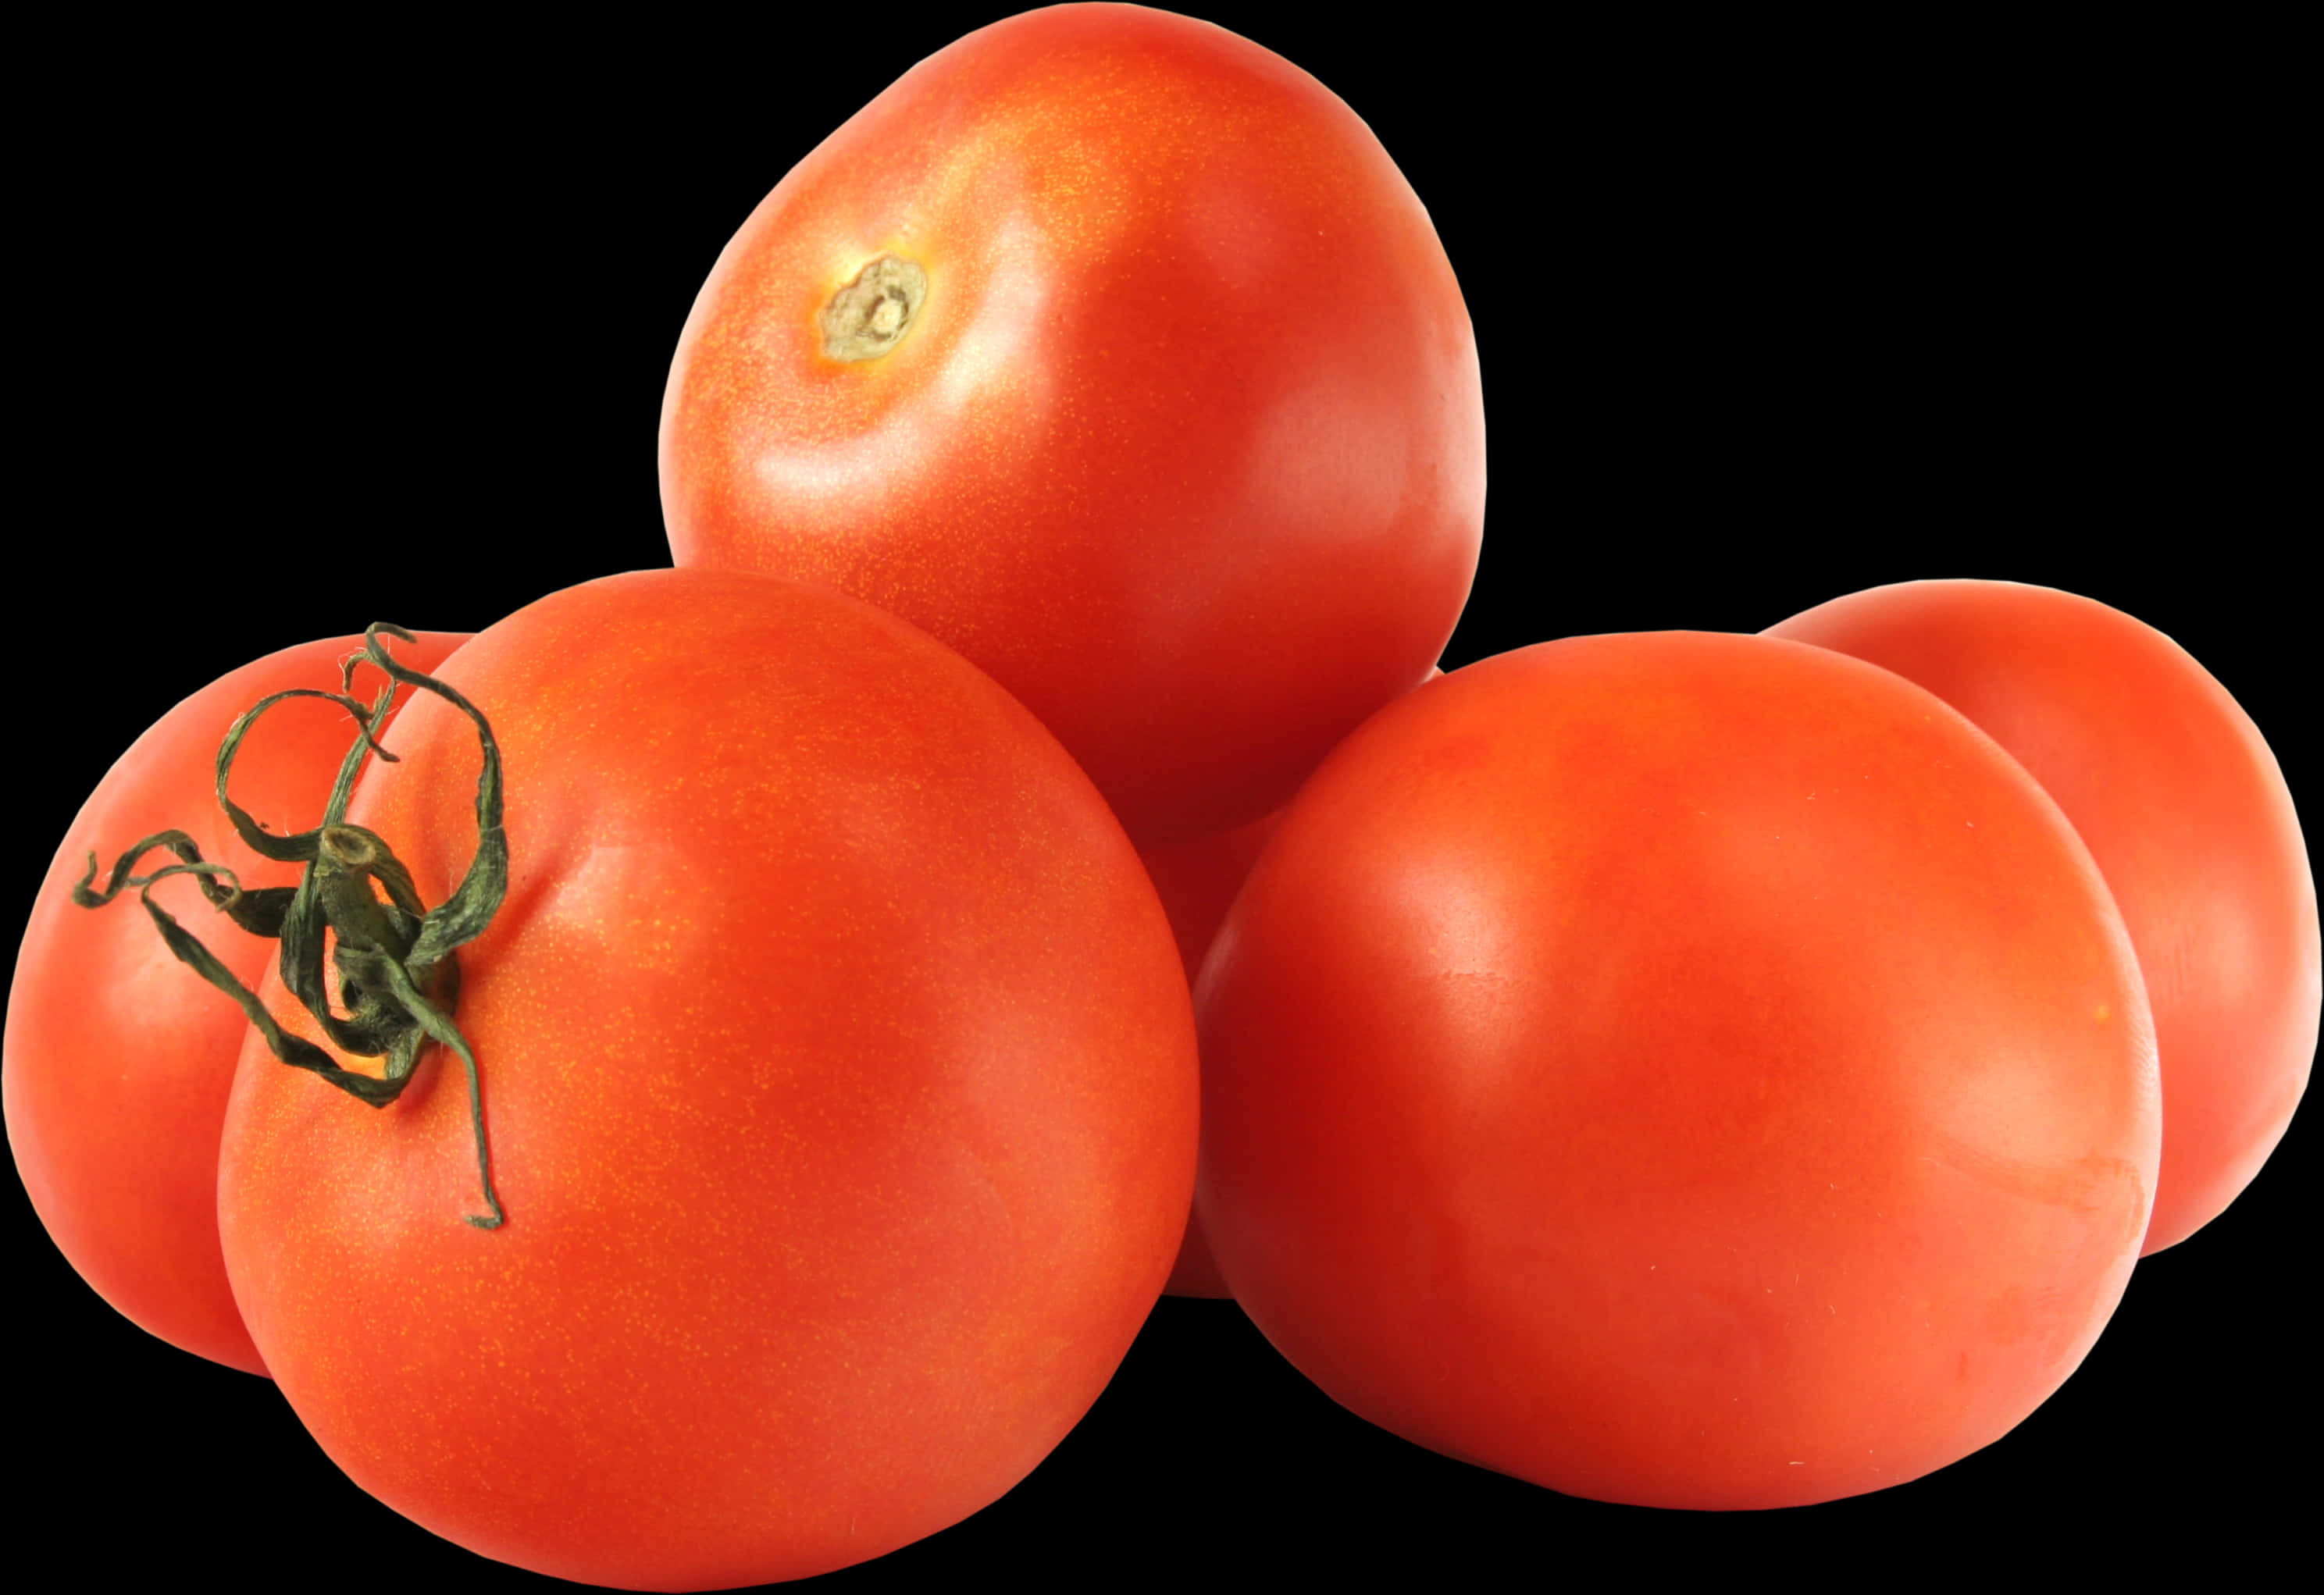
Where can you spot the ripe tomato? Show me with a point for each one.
(118, 1058)
(1683, 1069)
(2178, 799)
(1197, 880)
(840, 1087)
(1114, 350)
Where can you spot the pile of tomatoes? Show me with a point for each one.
(1025, 857)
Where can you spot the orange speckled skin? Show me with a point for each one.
(841, 1093)
(2186, 811)
(1688, 1070)
(118, 1058)
(1187, 444)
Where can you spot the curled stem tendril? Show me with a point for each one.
(398, 980)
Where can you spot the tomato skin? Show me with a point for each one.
(118, 1058)
(1579, 1100)
(841, 1088)
(1186, 445)
(2185, 810)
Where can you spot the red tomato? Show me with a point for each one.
(2185, 810)
(1197, 881)
(841, 1093)
(1162, 404)
(118, 1058)
(1690, 1070)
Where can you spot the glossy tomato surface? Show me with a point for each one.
(119, 1058)
(841, 1092)
(1174, 423)
(2187, 813)
(1685, 1069)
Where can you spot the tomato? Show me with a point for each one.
(1115, 351)
(2186, 811)
(839, 1087)
(1197, 880)
(118, 1058)
(1682, 1069)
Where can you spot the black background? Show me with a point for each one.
(379, 329)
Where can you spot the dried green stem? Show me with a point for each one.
(399, 981)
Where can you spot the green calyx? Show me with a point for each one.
(398, 978)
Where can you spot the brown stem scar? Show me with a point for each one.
(872, 314)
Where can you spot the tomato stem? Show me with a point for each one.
(398, 977)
